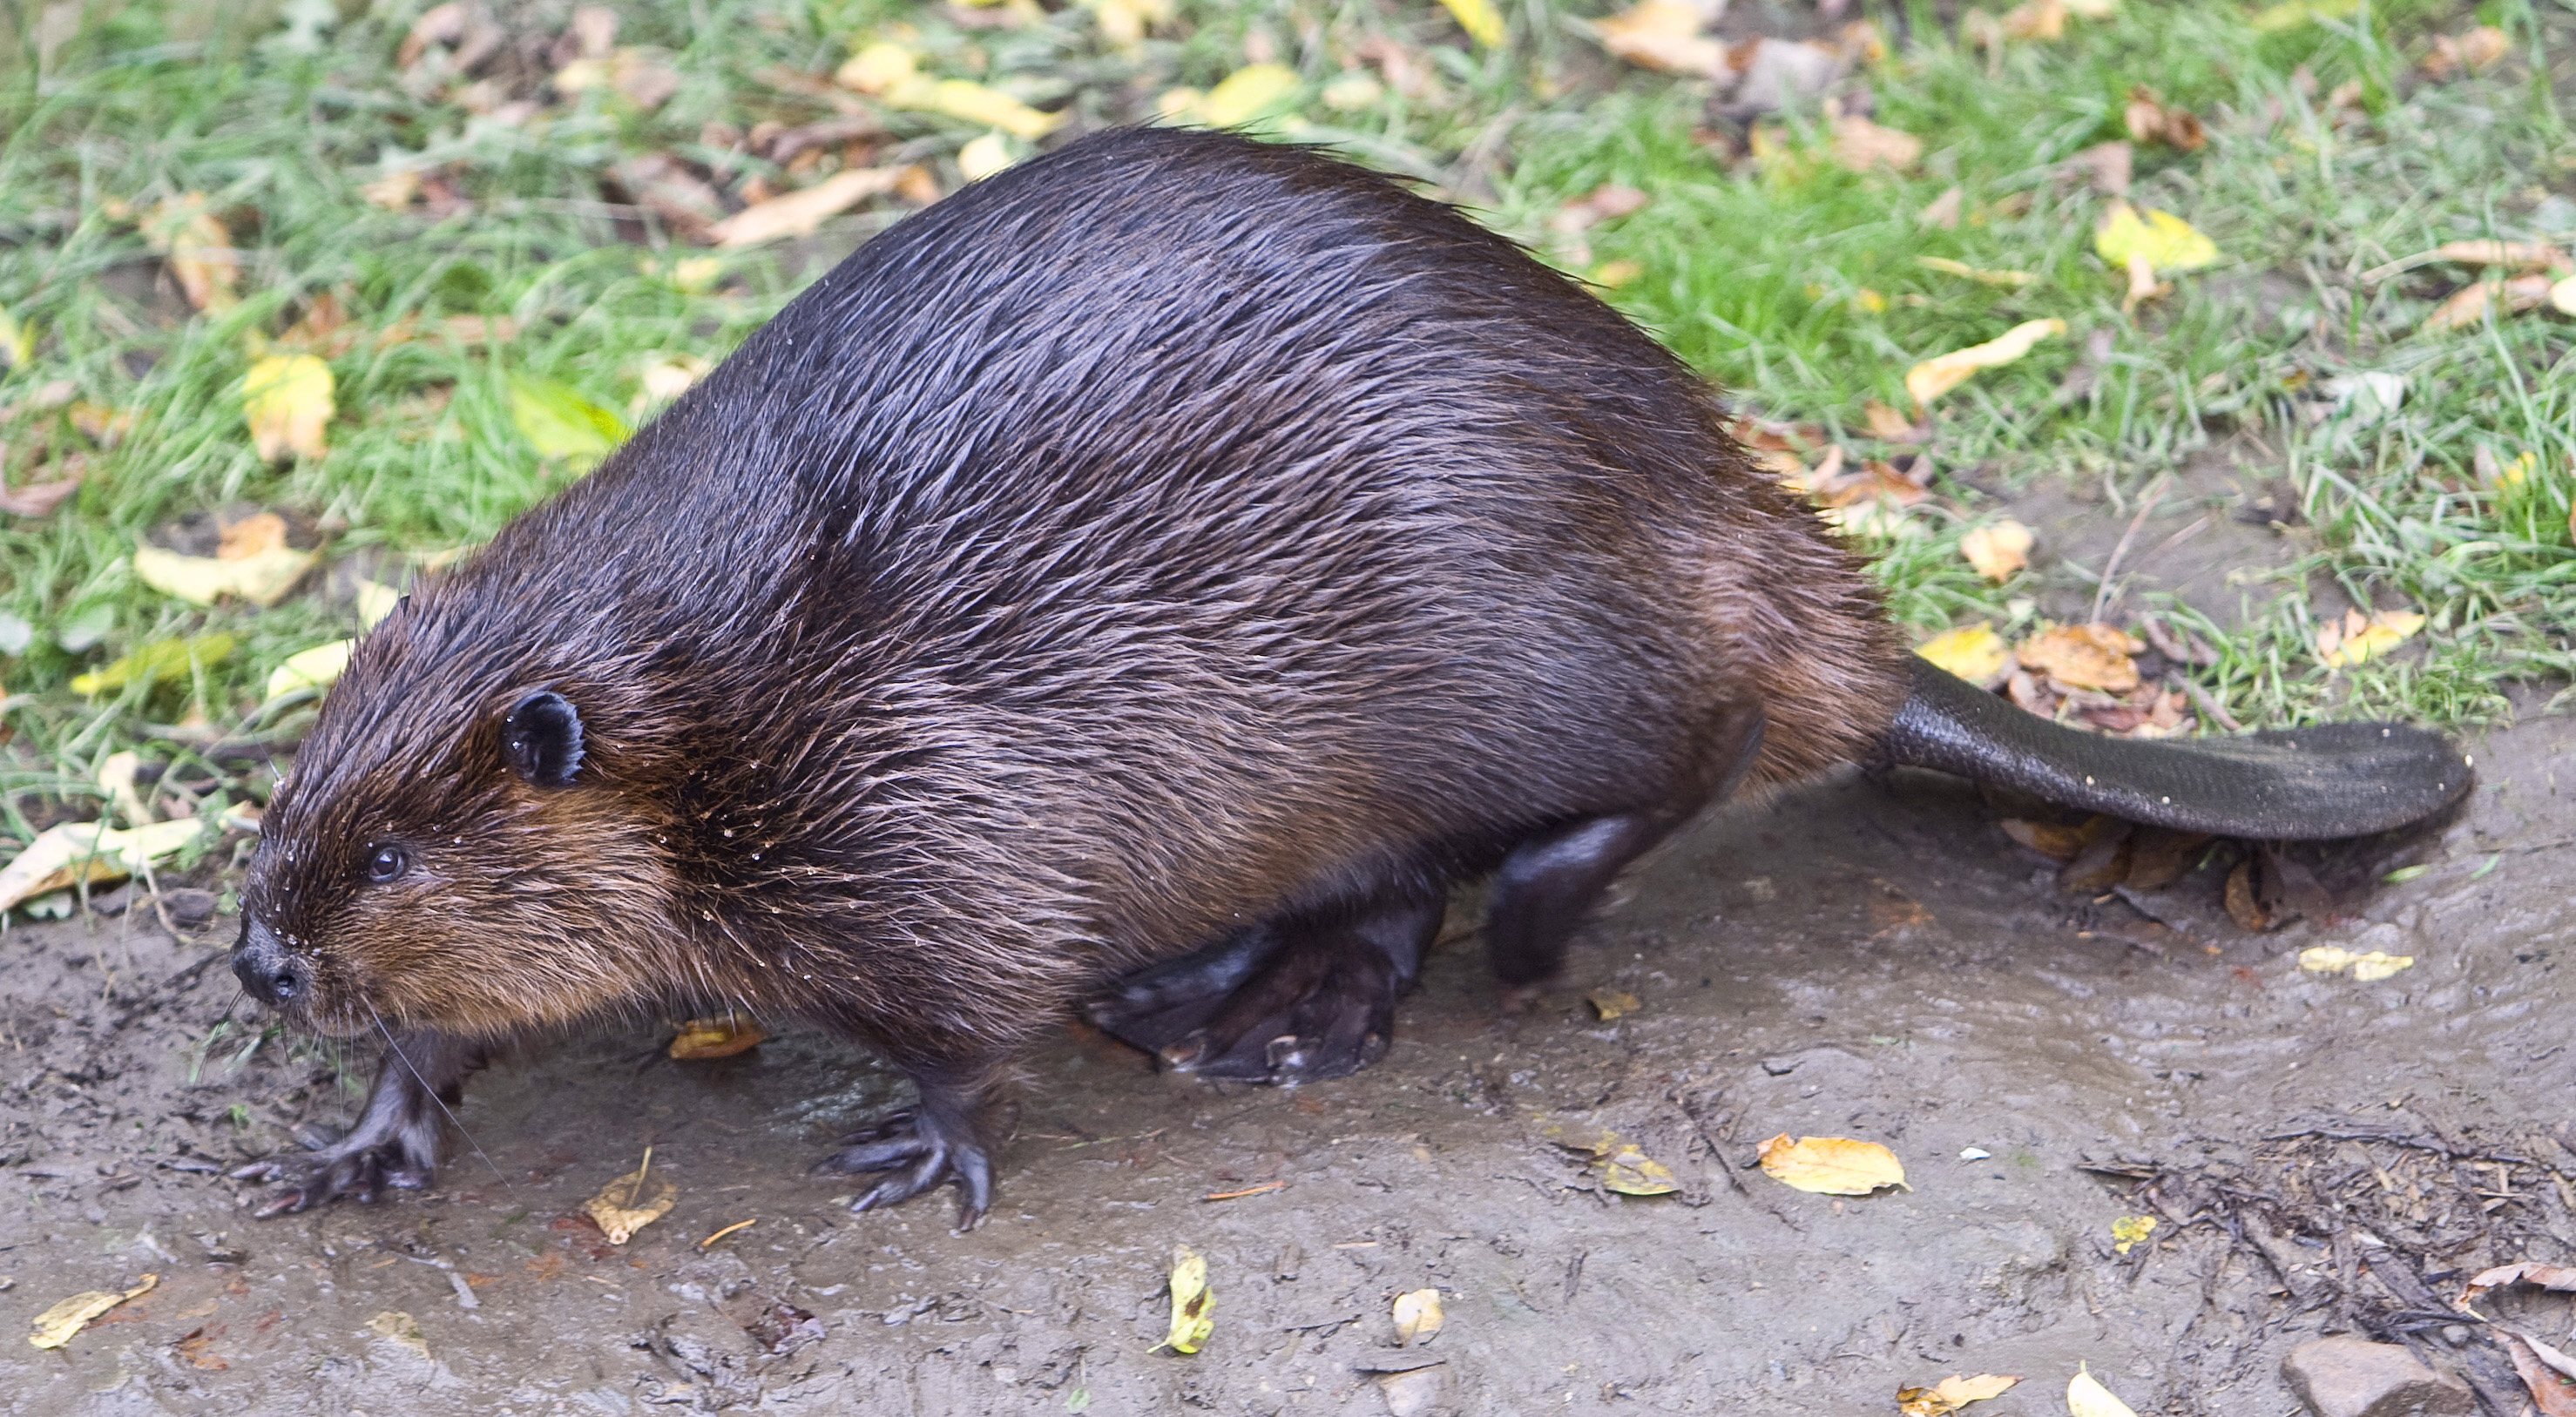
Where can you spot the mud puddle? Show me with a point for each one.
(1863, 959)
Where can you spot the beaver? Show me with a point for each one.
(1155, 575)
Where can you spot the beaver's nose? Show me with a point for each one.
(272, 976)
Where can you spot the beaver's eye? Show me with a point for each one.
(386, 862)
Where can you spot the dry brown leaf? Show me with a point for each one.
(2049, 839)
(1943, 211)
(2558, 1277)
(1832, 1166)
(37, 499)
(2471, 51)
(2151, 120)
(2244, 904)
(2108, 166)
(702, 1038)
(2469, 305)
(2552, 1392)
(2084, 656)
(55, 1326)
(68, 853)
(2000, 551)
(621, 1208)
(2036, 19)
(1886, 424)
(1664, 35)
(1862, 145)
(799, 213)
(262, 578)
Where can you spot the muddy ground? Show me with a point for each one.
(1864, 958)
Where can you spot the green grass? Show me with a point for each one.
(1795, 283)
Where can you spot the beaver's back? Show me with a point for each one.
(1162, 530)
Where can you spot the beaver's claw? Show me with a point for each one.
(920, 1153)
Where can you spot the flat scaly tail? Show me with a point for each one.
(2304, 784)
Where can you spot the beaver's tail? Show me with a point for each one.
(2305, 784)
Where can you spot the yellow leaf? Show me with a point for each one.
(2086, 1397)
(1193, 1307)
(1999, 551)
(376, 600)
(877, 69)
(620, 1207)
(263, 578)
(1124, 22)
(2010, 279)
(2369, 968)
(1612, 1003)
(959, 98)
(314, 668)
(1482, 22)
(982, 157)
(198, 249)
(2290, 16)
(69, 853)
(401, 1328)
(2129, 1230)
(1951, 1394)
(1831, 1166)
(286, 399)
(1631, 1172)
(55, 1326)
(2165, 241)
(703, 1038)
(17, 342)
(2562, 295)
(560, 423)
(1246, 94)
(1973, 652)
(2363, 639)
(1662, 34)
(1417, 1316)
(157, 660)
(1940, 374)
(799, 213)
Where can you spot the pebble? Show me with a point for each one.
(2353, 1377)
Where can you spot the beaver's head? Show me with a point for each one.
(454, 849)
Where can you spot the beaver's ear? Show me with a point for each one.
(542, 739)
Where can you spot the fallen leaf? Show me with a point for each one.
(1622, 1166)
(985, 156)
(1609, 1004)
(2083, 657)
(1973, 652)
(2513, 255)
(55, 1326)
(2149, 120)
(1861, 145)
(1998, 552)
(799, 213)
(394, 191)
(2469, 304)
(703, 1038)
(878, 68)
(2165, 241)
(2129, 1231)
(1942, 212)
(2368, 968)
(286, 399)
(2357, 639)
(198, 250)
(1664, 35)
(1238, 98)
(559, 423)
(315, 668)
(2036, 19)
(620, 1207)
(17, 342)
(104, 426)
(973, 102)
(1417, 1317)
(2290, 15)
(2012, 280)
(2086, 1397)
(261, 575)
(1951, 1394)
(1193, 1307)
(1124, 22)
(68, 853)
(1831, 1166)
(669, 377)
(395, 1326)
(1482, 22)
(2110, 166)
(37, 499)
(1938, 375)
(2245, 904)
(2551, 1390)
(156, 660)
(2473, 50)
(2557, 1277)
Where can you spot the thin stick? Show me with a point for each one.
(2111, 568)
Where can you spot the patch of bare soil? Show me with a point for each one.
(1858, 959)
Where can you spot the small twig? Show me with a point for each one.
(1247, 1191)
(2111, 568)
(737, 1225)
(2217, 712)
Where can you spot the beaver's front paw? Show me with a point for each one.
(358, 1165)
(920, 1153)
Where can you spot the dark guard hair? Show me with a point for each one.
(1177, 554)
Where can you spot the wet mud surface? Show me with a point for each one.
(1858, 958)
